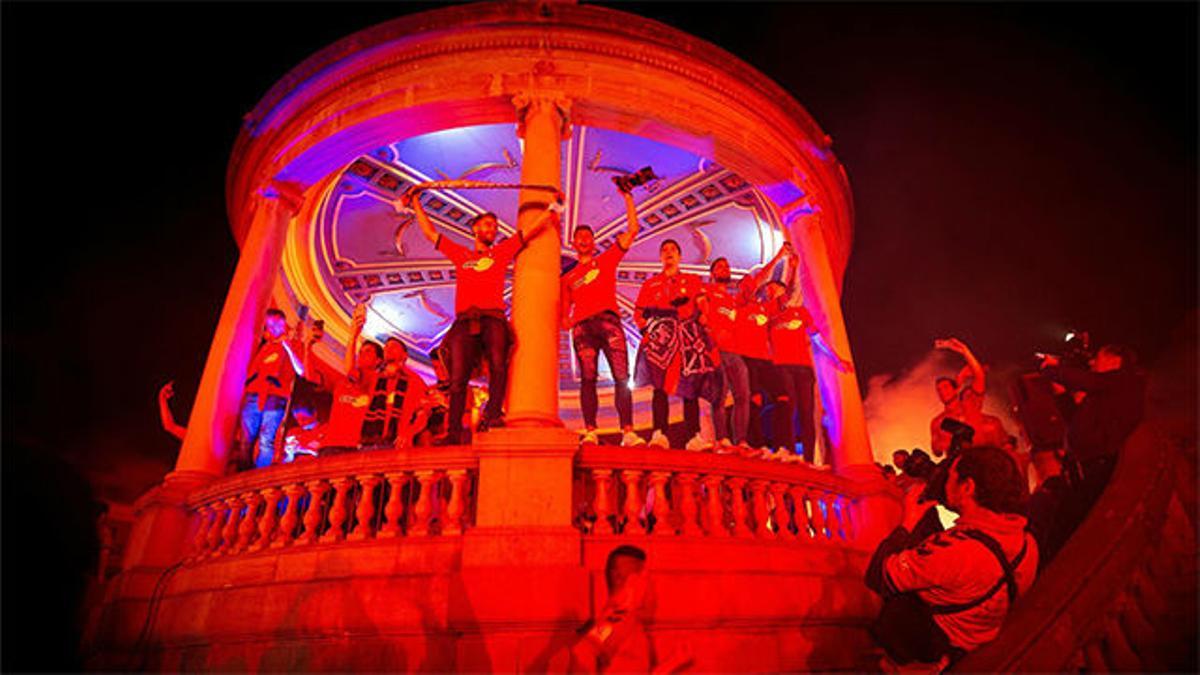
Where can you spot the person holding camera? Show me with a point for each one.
(480, 327)
(1112, 407)
(590, 289)
(946, 594)
(676, 354)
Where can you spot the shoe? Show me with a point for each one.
(697, 444)
(659, 440)
(745, 450)
(724, 447)
(792, 458)
(631, 440)
(589, 437)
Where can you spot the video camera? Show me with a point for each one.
(961, 435)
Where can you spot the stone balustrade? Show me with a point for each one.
(371, 495)
(667, 493)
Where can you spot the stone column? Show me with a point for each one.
(533, 374)
(214, 415)
(840, 396)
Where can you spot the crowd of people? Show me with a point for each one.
(945, 592)
(744, 346)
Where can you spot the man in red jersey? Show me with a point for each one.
(733, 319)
(676, 354)
(480, 327)
(397, 407)
(590, 288)
(352, 394)
(793, 334)
(269, 381)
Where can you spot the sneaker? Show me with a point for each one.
(697, 444)
(631, 440)
(724, 447)
(792, 458)
(659, 440)
(745, 450)
(777, 456)
(589, 437)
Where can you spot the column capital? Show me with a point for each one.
(288, 195)
(529, 101)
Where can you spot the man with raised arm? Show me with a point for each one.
(962, 398)
(269, 381)
(735, 321)
(480, 327)
(590, 289)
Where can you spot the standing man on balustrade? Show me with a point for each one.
(269, 381)
(590, 289)
(676, 354)
(734, 320)
(480, 328)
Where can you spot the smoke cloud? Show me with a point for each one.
(899, 407)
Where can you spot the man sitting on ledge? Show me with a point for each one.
(948, 594)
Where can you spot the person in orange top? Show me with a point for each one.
(676, 354)
(352, 394)
(731, 315)
(590, 289)
(480, 328)
(269, 381)
(793, 335)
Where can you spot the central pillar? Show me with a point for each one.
(533, 375)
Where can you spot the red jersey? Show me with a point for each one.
(750, 331)
(659, 290)
(271, 373)
(346, 415)
(480, 273)
(592, 286)
(789, 336)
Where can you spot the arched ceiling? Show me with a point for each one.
(361, 248)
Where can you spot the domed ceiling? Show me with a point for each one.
(364, 249)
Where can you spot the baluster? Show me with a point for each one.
(849, 518)
(229, 534)
(422, 512)
(366, 507)
(633, 501)
(270, 517)
(818, 515)
(662, 507)
(221, 512)
(737, 493)
(833, 516)
(714, 510)
(602, 504)
(801, 512)
(758, 507)
(206, 516)
(291, 516)
(686, 485)
(780, 512)
(249, 525)
(338, 512)
(395, 505)
(458, 502)
(313, 516)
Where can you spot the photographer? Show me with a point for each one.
(1111, 409)
(947, 594)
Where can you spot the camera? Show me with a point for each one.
(961, 435)
(627, 182)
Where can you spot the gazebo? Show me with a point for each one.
(485, 557)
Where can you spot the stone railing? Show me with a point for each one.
(1121, 595)
(354, 497)
(665, 493)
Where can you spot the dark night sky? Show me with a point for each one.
(1015, 168)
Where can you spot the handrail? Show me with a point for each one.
(672, 492)
(364, 495)
(1094, 605)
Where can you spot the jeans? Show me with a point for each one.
(591, 336)
(736, 378)
(471, 337)
(795, 397)
(259, 427)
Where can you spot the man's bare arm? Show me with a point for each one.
(412, 199)
(625, 239)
